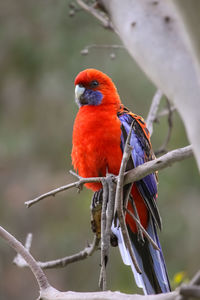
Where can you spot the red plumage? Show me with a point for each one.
(96, 143)
(100, 131)
(97, 138)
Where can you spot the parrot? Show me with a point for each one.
(100, 130)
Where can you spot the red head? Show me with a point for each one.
(95, 88)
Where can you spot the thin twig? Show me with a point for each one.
(85, 50)
(153, 110)
(155, 246)
(163, 148)
(104, 20)
(110, 208)
(127, 239)
(140, 233)
(18, 260)
(158, 164)
(47, 292)
(192, 289)
(196, 279)
(165, 112)
(19, 248)
(113, 46)
(127, 195)
(76, 184)
(130, 176)
(107, 230)
(75, 174)
(62, 262)
(119, 199)
(120, 178)
(102, 277)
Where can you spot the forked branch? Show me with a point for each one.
(152, 115)
(130, 176)
(77, 184)
(158, 164)
(47, 292)
(19, 248)
(61, 262)
(96, 13)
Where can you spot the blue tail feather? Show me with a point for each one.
(154, 278)
(151, 262)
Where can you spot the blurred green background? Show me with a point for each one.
(39, 59)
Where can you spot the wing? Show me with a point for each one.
(141, 153)
(154, 278)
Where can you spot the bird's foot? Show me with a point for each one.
(95, 208)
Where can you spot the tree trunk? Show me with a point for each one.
(154, 36)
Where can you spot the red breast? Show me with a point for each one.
(96, 142)
(97, 136)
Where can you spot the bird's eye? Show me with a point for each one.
(94, 83)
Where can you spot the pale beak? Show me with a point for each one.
(79, 90)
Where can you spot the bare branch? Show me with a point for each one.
(106, 222)
(131, 176)
(192, 289)
(119, 199)
(108, 295)
(104, 254)
(19, 260)
(99, 16)
(158, 164)
(170, 126)
(86, 50)
(76, 184)
(165, 112)
(139, 230)
(75, 174)
(189, 291)
(127, 240)
(61, 262)
(110, 208)
(120, 179)
(153, 110)
(19, 248)
(47, 292)
(196, 279)
(155, 246)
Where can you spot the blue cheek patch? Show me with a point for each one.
(93, 97)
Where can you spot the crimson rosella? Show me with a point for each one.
(99, 135)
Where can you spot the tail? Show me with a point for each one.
(154, 278)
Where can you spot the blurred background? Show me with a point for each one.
(39, 59)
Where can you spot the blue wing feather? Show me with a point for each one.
(141, 153)
(154, 278)
(138, 152)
